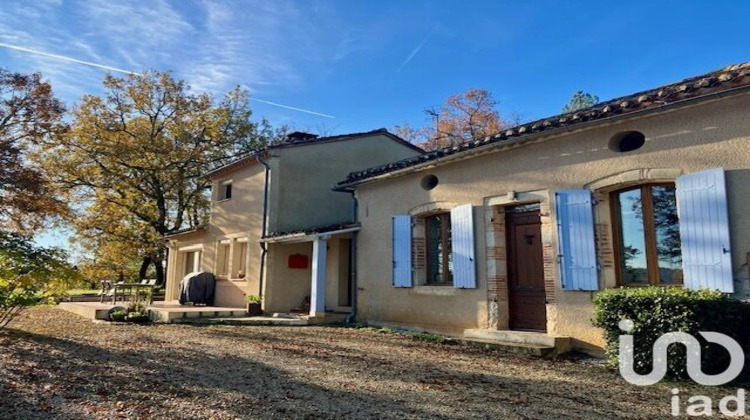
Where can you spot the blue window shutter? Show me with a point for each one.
(704, 230)
(402, 250)
(575, 221)
(462, 247)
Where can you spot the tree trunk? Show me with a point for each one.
(144, 268)
(159, 265)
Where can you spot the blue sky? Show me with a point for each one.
(378, 63)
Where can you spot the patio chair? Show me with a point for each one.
(114, 292)
(105, 292)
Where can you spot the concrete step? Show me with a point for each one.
(515, 348)
(523, 338)
(173, 315)
(248, 321)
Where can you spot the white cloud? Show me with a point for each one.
(270, 46)
(243, 44)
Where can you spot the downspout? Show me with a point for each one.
(263, 246)
(353, 261)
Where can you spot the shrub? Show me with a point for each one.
(118, 316)
(30, 275)
(253, 299)
(657, 310)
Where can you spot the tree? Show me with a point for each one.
(580, 100)
(30, 275)
(461, 118)
(29, 114)
(137, 155)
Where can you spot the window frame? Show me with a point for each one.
(196, 263)
(649, 231)
(224, 251)
(445, 218)
(225, 190)
(240, 272)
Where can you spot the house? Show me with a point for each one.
(517, 232)
(277, 229)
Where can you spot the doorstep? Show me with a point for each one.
(536, 343)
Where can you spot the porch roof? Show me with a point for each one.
(199, 228)
(308, 234)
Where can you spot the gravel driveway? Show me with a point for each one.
(57, 365)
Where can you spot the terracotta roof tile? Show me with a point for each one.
(724, 79)
(249, 158)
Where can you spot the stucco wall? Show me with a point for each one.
(337, 273)
(307, 173)
(288, 285)
(705, 136)
(299, 197)
(291, 285)
(233, 220)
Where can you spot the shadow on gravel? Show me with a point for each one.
(78, 372)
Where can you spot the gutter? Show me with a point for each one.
(306, 237)
(263, 247)
(353, 263)
(347, 187)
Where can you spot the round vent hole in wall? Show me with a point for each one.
(429, 182)
(627, 141)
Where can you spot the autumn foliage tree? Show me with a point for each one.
(470, 115)
(29, 115)
(136, 157)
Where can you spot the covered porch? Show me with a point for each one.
(310, 272)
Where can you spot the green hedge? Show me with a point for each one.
(658, 310)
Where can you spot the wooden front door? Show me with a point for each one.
(526, 296)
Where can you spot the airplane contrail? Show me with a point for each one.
(416, 50)
(291, 107)
(115, 69)
(69, 59)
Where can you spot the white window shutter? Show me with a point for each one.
(402, 272)
(704, 230)
(577, 247)
(462, 247)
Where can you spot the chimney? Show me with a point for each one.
(300, 136)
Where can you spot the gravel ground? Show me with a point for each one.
(57, 365)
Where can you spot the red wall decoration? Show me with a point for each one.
(298, 261)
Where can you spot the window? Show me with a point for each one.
(192, 262)
(222, 268)
(225, 190)
(647, 236)
(241, 259)
(438, 249)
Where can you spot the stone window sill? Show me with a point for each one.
(447, 290)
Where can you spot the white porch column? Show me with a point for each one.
(318, 290)
(172, 281)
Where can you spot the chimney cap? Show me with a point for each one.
(298, 136)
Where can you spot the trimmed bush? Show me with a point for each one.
(659, 310)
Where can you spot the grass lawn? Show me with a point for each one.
(57, 365)
(72, 292)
